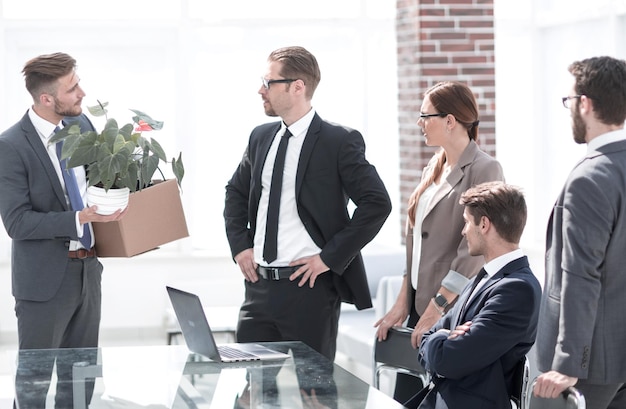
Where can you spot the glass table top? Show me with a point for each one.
(172, 377)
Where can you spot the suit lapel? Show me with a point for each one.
(456, 174)
(467, 305)
(259, 156)
(262, 151)
(33, 139)
(491, 281)
(310, 140)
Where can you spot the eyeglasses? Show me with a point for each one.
(441, 115)
(566, 100)
(267, 83)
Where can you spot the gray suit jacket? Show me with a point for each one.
(443, 246)
(581, 327)
(34, 212)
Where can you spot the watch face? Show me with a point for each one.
(441, 301)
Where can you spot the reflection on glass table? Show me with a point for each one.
(171, 377)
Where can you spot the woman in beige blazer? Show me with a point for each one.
(438, 263)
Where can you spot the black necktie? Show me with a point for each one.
(479, 277)
(271, 228)
(76, 200)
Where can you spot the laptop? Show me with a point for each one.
(199, 337)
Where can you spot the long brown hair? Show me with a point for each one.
(453, 98)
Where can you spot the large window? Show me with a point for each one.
(536, 40)
(196, 66)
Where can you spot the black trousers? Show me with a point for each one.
(282, 311)
(71, 319)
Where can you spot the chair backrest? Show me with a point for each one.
(521, 377)
(571, 398)
(397, 354)
(396, 350)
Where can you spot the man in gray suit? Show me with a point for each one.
(581, 334)
(55, 273)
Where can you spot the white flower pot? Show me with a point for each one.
(107, 201)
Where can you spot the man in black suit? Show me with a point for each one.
(55, 272)
(294, 288)
(473, 350)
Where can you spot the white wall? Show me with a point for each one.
(196, 65)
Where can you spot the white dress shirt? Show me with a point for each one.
(294, 241)
(496, 265)
(45, 130)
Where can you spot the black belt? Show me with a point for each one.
(82, 253)
(276, 273)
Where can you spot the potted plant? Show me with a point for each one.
(119, 159)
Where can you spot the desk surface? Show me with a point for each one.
(171, 377)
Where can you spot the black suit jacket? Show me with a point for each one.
(476, 370)
(331, 170)
(34, 211)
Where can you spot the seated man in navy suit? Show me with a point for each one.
(473, 350)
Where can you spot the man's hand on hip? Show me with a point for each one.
(245, 261)
(310, 269)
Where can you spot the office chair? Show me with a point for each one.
(397, 354)
(520, 384)
(570, 398)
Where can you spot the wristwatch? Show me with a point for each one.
(440, 300)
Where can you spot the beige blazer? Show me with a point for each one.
(443, 246)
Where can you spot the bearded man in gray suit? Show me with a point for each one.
(581, 334)
(55, 272)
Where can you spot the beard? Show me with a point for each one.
(269, 111)
(579, 128)
(62, 110)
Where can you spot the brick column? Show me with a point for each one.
(441, 40)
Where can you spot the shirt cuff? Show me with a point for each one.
(455, 282)
(79, 227)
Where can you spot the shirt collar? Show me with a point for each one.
(44, 128)
(497, 263)
(604, 139)
(300, 127)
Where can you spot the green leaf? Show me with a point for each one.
(158, 150)
(93, 174)
(134, 172)
(129, 180)
(119, 143)
(126, 131)
(141, 116)
(137, 138)
(69, 146)
(98, 110)
(84, 151)
(178, 168)
(109, 134)
(148, 166)
(73, 129)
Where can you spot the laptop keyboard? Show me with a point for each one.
(234, 353)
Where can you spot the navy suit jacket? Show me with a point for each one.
(331, 170)
(476, 370)
(34, 212)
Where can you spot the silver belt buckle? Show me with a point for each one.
(275, 274)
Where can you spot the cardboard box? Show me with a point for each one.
(155, 217)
